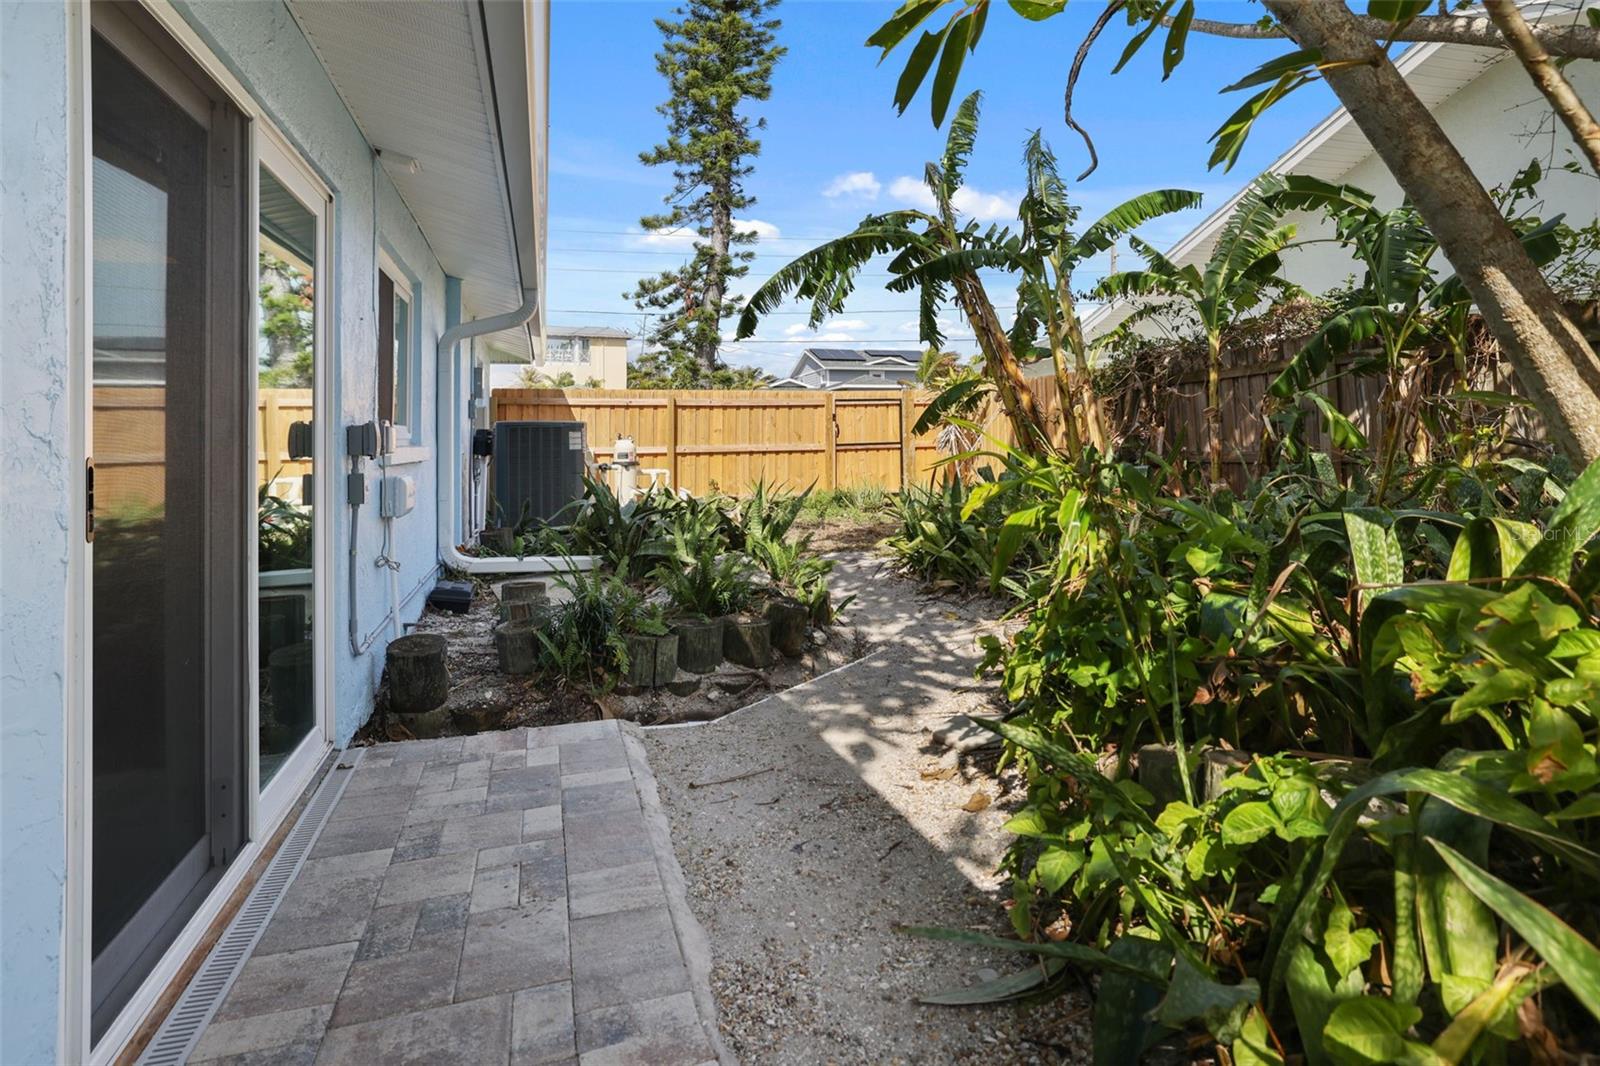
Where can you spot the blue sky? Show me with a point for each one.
(835, 150)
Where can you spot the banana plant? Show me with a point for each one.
(1049, 253)
(1243, 271)
(1402, 306)
(934, 253)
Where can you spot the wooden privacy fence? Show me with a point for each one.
(130, 444)
(1174, 419)
(714, 439)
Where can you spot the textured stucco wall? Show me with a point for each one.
(35, 475)
(1499, 123)
(265, 49)
(267, 52)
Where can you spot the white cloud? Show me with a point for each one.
(861, 184)
(974, 203)
(843, 325)
(758, 227)
(685, 236)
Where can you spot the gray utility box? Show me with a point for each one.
(538, 469)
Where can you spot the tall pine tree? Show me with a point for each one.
(718, 55)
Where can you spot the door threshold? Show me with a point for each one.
(136, 1027)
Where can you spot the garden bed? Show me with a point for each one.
(484, 698)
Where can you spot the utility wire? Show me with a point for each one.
(661, 314)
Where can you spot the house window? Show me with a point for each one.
(396, 350)
(567, 350)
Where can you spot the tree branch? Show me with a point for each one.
(1548, 77)
(1077, 68)
(1562, 41)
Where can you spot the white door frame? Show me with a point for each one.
(268, 145)
(268, 806)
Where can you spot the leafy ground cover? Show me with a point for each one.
(1314, 775)
(1311, 762)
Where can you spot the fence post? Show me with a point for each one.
(672, 441)
(830, 439)
(908, 440)
(270, 417)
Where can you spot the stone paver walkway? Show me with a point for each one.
(503, 898)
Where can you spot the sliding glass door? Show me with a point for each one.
(170, 358)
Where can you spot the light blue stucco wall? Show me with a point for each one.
(266, 51)
(35, 480)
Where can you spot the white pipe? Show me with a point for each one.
(449, 554)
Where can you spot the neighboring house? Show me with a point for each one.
(589, 353)
(851, 368)
(210, 274)
(1485, 103)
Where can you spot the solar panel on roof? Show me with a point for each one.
(839, 355)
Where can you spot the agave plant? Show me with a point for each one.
(700, 578)
(624, 535)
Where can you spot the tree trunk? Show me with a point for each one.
(1070, 423)
(1214, 406)
(1094, 422)
(419, 681)
(1548, 77)
(1021, 408)
(705, 346)
(1552, 360)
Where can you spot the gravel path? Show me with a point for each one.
(811, 823)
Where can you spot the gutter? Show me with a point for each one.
(449, 554)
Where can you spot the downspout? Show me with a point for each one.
(449, 554)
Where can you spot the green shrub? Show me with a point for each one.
(583, 640)
(951, 536)
(701, 577)
(1397, 840)
(283, 533)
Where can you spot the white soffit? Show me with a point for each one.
(416, 78)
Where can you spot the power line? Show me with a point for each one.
(665, 251)
(875, 342)
(643, 233)
(635, 272)
(769, 314)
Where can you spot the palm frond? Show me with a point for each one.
(1128, 216)
(1124, 330)
(958, 145)
(946, 266)
(1134, 284)
(826, 274)
(1182, 277)
(1246, 237)
(1044, 211)
(1030, 312)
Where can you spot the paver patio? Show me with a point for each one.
(502, 898)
